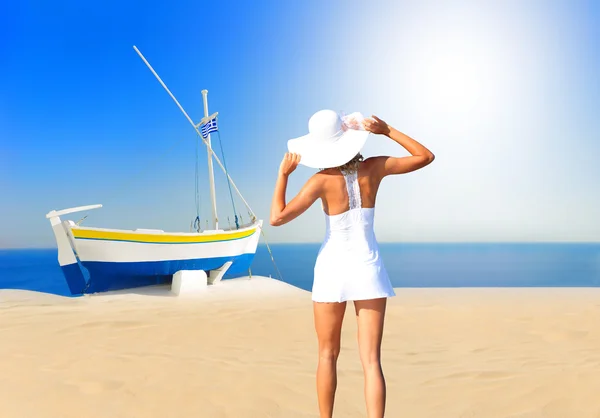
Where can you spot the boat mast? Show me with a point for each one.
(211, 174)
(210, 150)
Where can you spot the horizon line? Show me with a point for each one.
(380, 242)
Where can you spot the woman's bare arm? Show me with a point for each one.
(282, 213)
(419, 158)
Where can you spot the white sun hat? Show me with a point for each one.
(333, 140)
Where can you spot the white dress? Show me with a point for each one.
(348, 266)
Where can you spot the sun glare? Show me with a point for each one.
(456, 76)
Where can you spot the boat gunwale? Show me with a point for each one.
(160, 237)
(161, 233)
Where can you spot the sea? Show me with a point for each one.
(416, 265)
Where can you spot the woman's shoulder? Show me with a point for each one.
(374, 166)
(378, 159)
(328, 172)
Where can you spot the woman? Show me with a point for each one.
(348, 266)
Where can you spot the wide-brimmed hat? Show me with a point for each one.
(333, 139)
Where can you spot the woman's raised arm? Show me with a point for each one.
(282, 213)
(385, 166)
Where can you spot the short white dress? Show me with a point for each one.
(348, 266)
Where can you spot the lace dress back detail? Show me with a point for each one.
(353, 188)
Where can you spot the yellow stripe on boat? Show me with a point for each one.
(159, 238)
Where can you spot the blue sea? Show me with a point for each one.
(409, 265)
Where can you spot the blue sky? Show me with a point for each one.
(506, 95)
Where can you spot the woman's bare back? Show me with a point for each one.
(334, 195)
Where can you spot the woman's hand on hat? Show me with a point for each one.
(289, 163)
(376, 126)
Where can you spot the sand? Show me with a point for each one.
(248, 349)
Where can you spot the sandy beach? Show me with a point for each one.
(248, 349)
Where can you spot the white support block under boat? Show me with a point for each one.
(215, 276)
(188, 281)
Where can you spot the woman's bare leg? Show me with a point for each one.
(328, 324)
(370, 315)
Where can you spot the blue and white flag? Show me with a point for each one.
(209, 126)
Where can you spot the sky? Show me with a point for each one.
(505, 94)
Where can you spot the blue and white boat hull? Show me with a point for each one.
(100, 259)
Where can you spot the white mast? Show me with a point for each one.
(211, 174)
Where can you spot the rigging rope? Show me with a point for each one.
(271, 254)
(124, 188)
(197, 225)
(237, 225)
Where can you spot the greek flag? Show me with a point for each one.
(209, 126)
